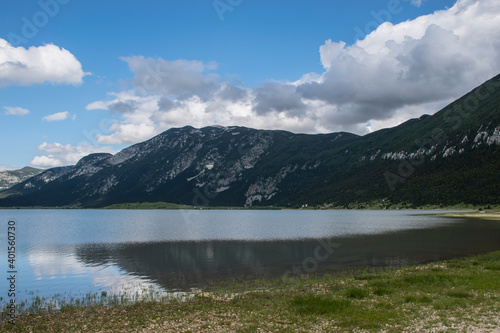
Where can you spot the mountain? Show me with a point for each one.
(10, 178)
(448, 158)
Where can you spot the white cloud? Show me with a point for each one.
(179, 78)
(434, 58)
(397, 72)
(9, 167)
(15, 111)
(57, 154)
(135, 112)
(56, 116)
(36, 65)
(416, 3)
(46, 161)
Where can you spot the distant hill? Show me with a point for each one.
(450, 157)
(10, 178)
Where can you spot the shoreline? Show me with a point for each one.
(381, 204)
(459, 294)
(479, 214)
(456, 211)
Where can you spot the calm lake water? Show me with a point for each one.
(76, 252)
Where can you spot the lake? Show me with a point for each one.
(76, 252)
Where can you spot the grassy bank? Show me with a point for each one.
(166, 205)
(373, 205)
(487, 214)
(457, 295)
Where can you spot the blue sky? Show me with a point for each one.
(74, 72)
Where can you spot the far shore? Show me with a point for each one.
(482, 215)
(484, 211)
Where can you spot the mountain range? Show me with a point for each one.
(448, 158)
(10, 178)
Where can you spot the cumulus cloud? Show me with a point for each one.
(433, 58)
(135, 112)
(9, 167)
(57, 154)
(15, 111)
(228, 92)
(180, 78)
(278, 97)
(36, 65)
(397, 72)
(56, 116)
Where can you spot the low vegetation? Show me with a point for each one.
(457, 295)
(148, 205)
(172, 206)
(371, 205)
(488, 213)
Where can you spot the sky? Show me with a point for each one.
(80, 77)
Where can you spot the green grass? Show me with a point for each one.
(376, 205)
(462, 293)
(372, 205)
(357, 293)
(311, 304)
(166, 205)
(148, 205)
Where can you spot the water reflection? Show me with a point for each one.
(189, 264)
(80, 252)
(48, 271)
